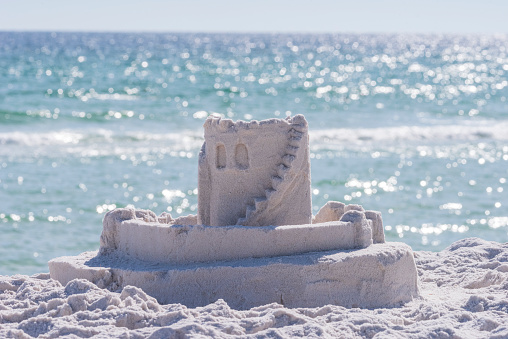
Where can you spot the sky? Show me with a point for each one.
(355, 16)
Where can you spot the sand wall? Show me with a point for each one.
(181, 244)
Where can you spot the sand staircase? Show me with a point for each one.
(279, 181)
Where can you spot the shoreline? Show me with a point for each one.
(463, 294)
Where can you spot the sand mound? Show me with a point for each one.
(464, 294)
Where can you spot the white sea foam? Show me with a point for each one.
(40, 139)
(114, 96)
(485, 130)
(110, 142)
(185, 139)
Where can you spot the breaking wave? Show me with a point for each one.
(440, 133)
(192, 140)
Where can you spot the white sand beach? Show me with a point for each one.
(463, 295)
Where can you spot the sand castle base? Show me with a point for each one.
(380, 275)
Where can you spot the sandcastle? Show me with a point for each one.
(254, 240)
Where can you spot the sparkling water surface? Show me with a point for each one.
(415, 126)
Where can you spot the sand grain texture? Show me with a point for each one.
(464, 295)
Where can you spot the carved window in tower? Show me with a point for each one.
(220, 161)
(241, 157)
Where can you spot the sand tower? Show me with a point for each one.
(255, 173)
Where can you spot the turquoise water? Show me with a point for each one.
(415, 126)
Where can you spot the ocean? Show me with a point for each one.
(414, 126)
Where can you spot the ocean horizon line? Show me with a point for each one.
(261, 32)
